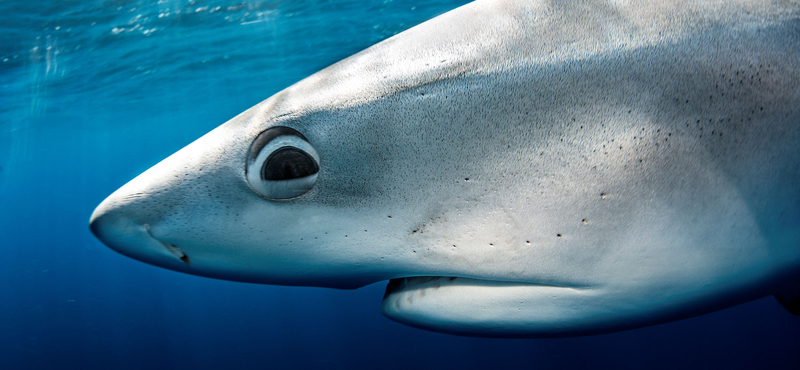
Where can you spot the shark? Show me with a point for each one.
(513, 168)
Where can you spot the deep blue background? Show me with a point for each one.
(94, 92)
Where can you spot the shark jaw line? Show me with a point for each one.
(491, 308)
(424, 282)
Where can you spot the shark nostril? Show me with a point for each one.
(171, 248)
(177, 252)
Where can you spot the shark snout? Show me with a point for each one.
(115, 223)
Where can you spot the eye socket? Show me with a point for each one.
(281, 164)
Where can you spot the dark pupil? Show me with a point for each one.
(288, 163)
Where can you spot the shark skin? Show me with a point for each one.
(514, 168)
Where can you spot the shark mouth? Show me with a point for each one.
(435, 282)
(474, 307)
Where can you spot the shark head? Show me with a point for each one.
(510, 177)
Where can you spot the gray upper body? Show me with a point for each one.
(520, 168)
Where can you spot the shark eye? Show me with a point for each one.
(281, 164)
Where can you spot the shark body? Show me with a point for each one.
(516, 168)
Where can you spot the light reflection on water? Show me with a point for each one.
(71, 52)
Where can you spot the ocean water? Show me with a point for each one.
(92, 93)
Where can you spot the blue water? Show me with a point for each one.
(94, 92)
